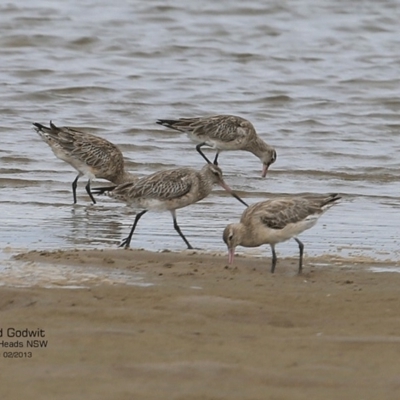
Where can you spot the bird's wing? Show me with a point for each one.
(72, 144)
(224, 128)
(276, 214)
(94, 151)
(163, 185)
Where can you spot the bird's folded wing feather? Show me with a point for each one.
(280, 213)
(226, 129)
(164, 185)
(92, 150)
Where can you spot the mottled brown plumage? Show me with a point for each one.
(90, 155)
(167, 191)
(224, 132)
(274, 221)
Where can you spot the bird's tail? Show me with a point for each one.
(330, 200)
(41, 128)
(102, 190)
(169, 123)
(44, 129)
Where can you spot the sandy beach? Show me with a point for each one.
(204, 330)
(81, 319)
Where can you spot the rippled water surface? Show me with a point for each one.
(319, 80)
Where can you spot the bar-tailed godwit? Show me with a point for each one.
(167, 191)
(224, 132)
(274, 221)
(90, 155)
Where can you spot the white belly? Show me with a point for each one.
(265, 235)
(215, 143)
(292, 230)
(163, 205)
(80, 166)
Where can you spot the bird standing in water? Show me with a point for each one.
(167, 191)
(224, 132)
(90, 155)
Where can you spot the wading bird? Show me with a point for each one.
(224, 132)
(274, 221)
(90, 155)
(167, 191)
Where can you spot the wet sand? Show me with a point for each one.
(207, 331)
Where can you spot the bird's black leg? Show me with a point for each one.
(198, 148)
(301, 249)
(74, 185)
(274, 259)
(176, 226)
(216, 158)
(87, 187)
(127, 241)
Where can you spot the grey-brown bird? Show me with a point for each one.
(168, 190)
(90, 155)
(224, 132)
(274, 221)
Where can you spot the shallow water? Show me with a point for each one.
(49, 276)
(319, 80)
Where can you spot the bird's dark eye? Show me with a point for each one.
(230, 237)
(274, 156)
